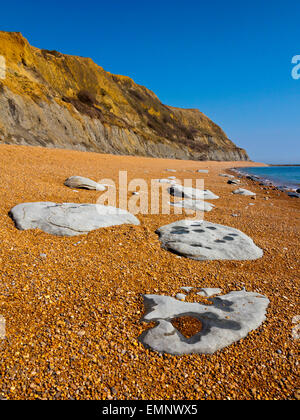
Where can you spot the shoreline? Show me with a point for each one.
(73, 305)
(265, 181)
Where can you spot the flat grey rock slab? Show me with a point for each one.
(199, 205)
(242, 191)
(202, 240)
(69, 219)
(203, 171)
(229, 319)
(84, 183)
(189, 192)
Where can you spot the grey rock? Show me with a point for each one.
(166, 181)
(180, 296)
(233, 181)
(227, 176)
(242, 191)
(187, 289)
(203, 171)
(229, 319)
(69, 219)
(202, 240)
(85, 183)
(208, 292)
(199, 205)
(189, 192)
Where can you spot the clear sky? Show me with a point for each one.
(230, 59)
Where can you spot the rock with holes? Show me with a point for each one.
(227, 320)
(202, 240)
(197, 205)
(69, 219)
(242, 191)
(84, 183)
(189, 192)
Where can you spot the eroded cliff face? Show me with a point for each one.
(55, 100)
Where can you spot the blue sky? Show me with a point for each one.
(230, 59)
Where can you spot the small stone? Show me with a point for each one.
(187, 289)
(209, 292)
(242, 191)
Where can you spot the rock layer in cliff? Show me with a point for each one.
(55, 100)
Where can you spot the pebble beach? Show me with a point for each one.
(73, 305)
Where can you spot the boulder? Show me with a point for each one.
(197, 205)
(203, 171)
(242, 191)
(84, 183)
(233, 181)
(202, 240)
(69, 219)
(189, 192)
(229, 319)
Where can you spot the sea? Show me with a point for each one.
(284, 176)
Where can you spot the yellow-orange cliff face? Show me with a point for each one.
(56, 100)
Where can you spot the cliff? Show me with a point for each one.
(55, 100)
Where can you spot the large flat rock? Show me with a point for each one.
(189, 192)
(229, 319)
(69, 219)
(201, 240)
